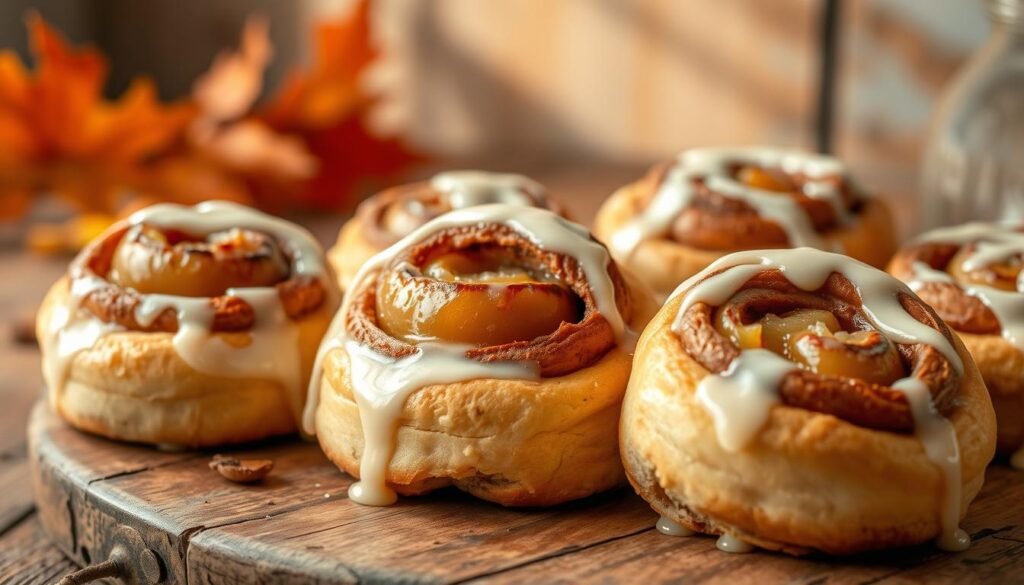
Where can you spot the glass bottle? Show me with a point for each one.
(974, 159)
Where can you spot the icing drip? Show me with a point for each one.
(731, 544)
(741, 398)
(712, 165)
(268, 352)
(938, 437)
(669, 527)
(382, 385)
(463, 189)
(271, 350)
(994, 244)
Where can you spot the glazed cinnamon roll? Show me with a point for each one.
(708, 202)
(188, 326)
(388, 216)
(488, 350)
(971, 275)
(799, 400)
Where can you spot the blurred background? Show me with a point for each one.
(569, 89)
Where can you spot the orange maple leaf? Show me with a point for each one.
(330, 90)
(58, 134)
(329, 108)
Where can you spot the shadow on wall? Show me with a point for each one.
(601, 79)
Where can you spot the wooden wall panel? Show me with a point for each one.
(600, 79)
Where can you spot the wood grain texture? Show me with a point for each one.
(299, 527)
(28, 558)
(15, 488)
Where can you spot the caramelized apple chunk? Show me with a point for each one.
(152, 261)
(473, 298)
(814, 339)
(1002, 275)
(765, 179)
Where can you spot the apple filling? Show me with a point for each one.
(766, 179)
(815, 340)
(1000, 275)
(474, 297)
(154, 261)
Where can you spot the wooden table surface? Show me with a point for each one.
(26, 556)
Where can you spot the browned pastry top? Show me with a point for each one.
(419, 202)
(714, 221)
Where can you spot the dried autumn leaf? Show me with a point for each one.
(330, 90)
(241, 149)
(58, 134)
(329, 108)
(234, 82)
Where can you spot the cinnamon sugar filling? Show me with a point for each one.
(264, 265)
(570, 346)
(854, 399)
(962, 311)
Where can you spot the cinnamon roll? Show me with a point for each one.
(386, 217)
(488, 350)
(799, 400)
(971, 275)
(709, 202)
(188, 326)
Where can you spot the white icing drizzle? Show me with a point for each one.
(994, 243)
(938, 437)
(670, 527)
(272, 350)
(71, 330)
(741, 398)
(712, 165)
(382, 384)
(463, 189)
(730, 544)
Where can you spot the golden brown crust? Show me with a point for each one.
(664, 262)
(1001, 364)
(857, 401)
(808, 481)
(134, 386)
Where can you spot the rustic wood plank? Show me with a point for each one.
(212, 531)
(439, 538)
(187, 494)
(89, 487)
(15, 487)
(996, 522)
(27, 557)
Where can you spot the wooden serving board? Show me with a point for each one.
(187, 524)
